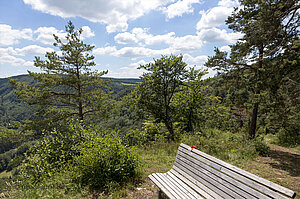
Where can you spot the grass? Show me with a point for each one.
(280, 167)
(158, 157)
(5, 174)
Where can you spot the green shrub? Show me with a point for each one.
(54, 151)
(152, 132)
(288, 137)
(55, 186)
(104, 162)
(260, 146)
(232, 147)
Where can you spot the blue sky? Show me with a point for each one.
(126, 33)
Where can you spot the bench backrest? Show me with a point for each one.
(220, 179)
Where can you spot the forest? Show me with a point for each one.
(69, 132)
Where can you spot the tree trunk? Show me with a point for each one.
(190, 124)
(252, 128)
(169, 126)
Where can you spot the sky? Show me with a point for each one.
(125, 33)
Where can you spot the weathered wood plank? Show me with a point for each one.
(216, 183)
(172, 185)
(230, 182)
(169, 186)
(260, 187)
(255, 178)
(180, 186)
(222, 191)
(161, 187)
(190, 192)
(189, 181)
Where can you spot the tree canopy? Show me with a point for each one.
(67, 86)
(269, 27)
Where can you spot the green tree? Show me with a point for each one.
(190, 100)
(161, 81)
(66, 87)
(268, 26)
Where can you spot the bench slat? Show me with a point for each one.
(185, 192)
(221, 190)
(160, 185)
(173, 185)
(247, 191)
(199, 175)
(189, 181)
(184, 186)
(243, 179)
(255, 178)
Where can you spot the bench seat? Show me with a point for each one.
(198, 175)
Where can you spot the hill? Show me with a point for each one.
(13, 109)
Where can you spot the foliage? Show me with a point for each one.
(104, 162)
(53, 152)
(14, 110)
(160, 83)
(14, 157)
(256, 59)
(67, 87)
(59, 185)
(191, 101)
(95, 159)
(232, 147)
(290, 137)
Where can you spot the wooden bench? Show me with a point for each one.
(198, 175)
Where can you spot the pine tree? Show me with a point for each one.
(67, 87)
(269, 26)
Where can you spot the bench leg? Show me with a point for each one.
(159, 194)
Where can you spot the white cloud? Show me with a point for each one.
(216, 16)
(14, 61)
(141, 35)
(198, 60)
(87, 32)
(225, 48)
(33, 50)
(9, 55)
(175, 44)
(118, 27)
(160, 39)
(187, 43)
(114, 13)
(179, 8)
(108, 50)
(213, 17)
(141, 62)
(11, 36)
(215, 35)
(45, 34)
(130, 71)
(136, 52)
(125, 38)
(132, 52)
(229, 3)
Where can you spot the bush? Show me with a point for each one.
(232, 147)
(288, 137)
(151, 132)
(54, 151)
(260, 146)
(104, 162)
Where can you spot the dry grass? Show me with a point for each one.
(282, 166)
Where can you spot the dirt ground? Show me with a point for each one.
(282, 166)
